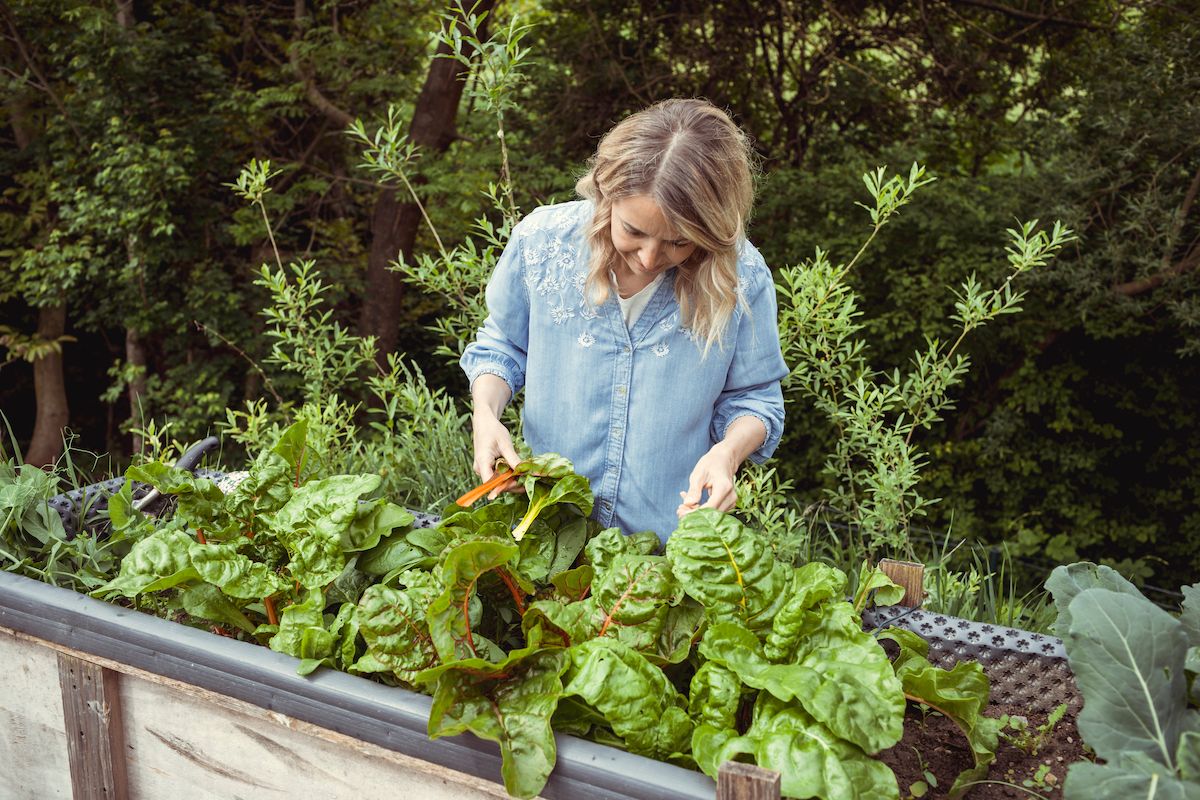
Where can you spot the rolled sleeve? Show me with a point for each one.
(501, 345)
(752, 386)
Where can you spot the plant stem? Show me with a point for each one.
(513, 589)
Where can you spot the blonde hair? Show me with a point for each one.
(696, 164)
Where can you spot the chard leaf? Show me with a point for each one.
(543, 494)
(568, 544)
(845, 684)
(302, 631)
(714, 696)
(265, 489)
(1133, 775)
(960, 693)
(201, 503)
(610, 543)
(313, 522)
(392, 623)
(640, 704)
(291, 447)
(160, 561)
(234, 573)
(373, 521)
(510, 703)
(811, 760)
(449, 614)
(728, 568)
(574, 584)
(1067, 581)
(811, 584)
(1117, 639)
(634, 589)
(393, 552)
(873, 579)
(206, 601)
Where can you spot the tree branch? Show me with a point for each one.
(1190, 260)
(1017, 13)
(33, 67)
(311, 91)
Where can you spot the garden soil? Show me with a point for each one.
(933, 744)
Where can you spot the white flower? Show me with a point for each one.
(586, 339)
(661, 350)
(666, 325)
(587, 312)
(561, 314)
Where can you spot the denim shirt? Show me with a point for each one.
(633, 409)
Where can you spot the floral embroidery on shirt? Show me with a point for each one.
(661, 350)
(561, 314)
(586, 339)
(667, 324)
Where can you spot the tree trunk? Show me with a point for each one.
(394, 224)
(135, 357)
(51, 391)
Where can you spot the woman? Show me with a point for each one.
(641, 324)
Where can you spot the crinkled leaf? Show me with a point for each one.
(392, 623)
(234, 573)
(208, 602)
(714, 696)
(1133, 775)
(960, 693)
(812, 584)
(635, 697)
(1067, 581)
(811, 760)
(610, 543)
(510, 703)
(573, 584)
(302, 632)
(159, 561)
(634, 588)
(1117, 639)
(265, 489)
(549, 465)
(313, 522)
(844, 683)
(728, 568)
(448, 615)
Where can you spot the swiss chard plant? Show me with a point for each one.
(521, 617)
(1136, 666)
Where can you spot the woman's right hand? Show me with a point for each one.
(490, 438)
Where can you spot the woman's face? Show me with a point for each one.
(646, 241)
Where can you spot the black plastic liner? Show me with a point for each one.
(390, 717)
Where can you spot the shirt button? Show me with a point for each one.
(620, 391)
(624, 349)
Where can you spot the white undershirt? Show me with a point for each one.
(632, 307)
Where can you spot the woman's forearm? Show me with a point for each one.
(489, 395)
(743, 436)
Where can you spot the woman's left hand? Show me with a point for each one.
(713, 472)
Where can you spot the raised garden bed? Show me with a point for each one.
(229, 718)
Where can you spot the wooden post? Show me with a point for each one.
(908, 574)
(738, 781)
(95, 737)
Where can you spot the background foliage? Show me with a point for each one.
(1074, 435)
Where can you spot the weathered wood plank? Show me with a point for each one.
(738, 781)
(95, 734)
(178, 736)
(910, 575)
(33, 747)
